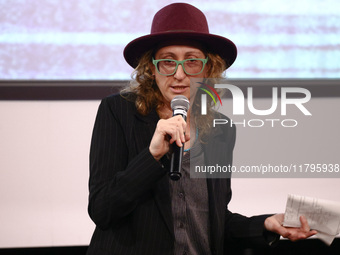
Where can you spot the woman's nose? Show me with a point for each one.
(180, 74)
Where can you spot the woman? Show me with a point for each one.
(136, 208)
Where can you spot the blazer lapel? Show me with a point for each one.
(144, 128)
(163, 200)
(216, 215)
(216, 152)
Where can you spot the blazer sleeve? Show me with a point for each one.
(242, 231)
(116, 183)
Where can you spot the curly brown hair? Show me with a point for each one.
(147, 96)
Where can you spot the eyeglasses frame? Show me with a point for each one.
(179, 62)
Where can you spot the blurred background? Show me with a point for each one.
(84, 39)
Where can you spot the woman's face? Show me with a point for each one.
(179, 82)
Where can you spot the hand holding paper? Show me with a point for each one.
(322, 215)
(302, 231)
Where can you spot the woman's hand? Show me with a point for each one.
(167, 132)
(274, 224)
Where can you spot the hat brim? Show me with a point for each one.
(222, 46)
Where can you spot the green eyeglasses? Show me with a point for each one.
(191, 66)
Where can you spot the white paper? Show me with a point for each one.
(322, 215)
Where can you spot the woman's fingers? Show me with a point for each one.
(274, 224)
(167, 132)
(175, 128)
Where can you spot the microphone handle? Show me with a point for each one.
(176, 162)
(176, 159)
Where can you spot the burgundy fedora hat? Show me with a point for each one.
(180, 21)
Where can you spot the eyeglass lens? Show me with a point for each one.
(191, 66)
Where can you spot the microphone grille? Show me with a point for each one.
(180, 102)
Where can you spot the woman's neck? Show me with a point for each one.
(165, 112)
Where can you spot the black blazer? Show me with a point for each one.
(129, 197)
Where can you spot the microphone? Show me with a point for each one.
(179, 105)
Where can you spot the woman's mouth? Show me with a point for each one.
(179, 89)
